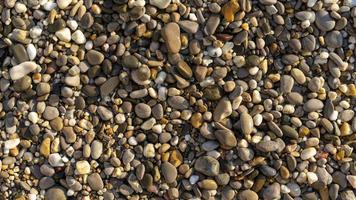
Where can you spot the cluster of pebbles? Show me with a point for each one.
(178, 99)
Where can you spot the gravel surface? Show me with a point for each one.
(177, 99)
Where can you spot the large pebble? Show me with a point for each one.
(169, 172)
(104, 113)
(171, 35)
(95, 182)
(161, 4)
(207, 165)
(96, 149)
(63, 4)
(64, 35)
(324, 21)
(55, 193)
(226, 138)
(246, 123)
(313, 105)
(94, 57)
(222, 110)
(22, 70)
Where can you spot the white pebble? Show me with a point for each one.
(78, 37)
(72, 24)
(35, 32)
(89, 45)
(214, 52)
(50, 5)
(193, 179)
(352, 180)
(31, 51)
(10, 144)
(20, 7)
(312, 177)
(55, 160)
(64, 35)
(21, 70)
(33, 117)
(63, 4)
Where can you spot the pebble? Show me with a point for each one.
(130, 62)
(94, 57)
(212, 24)
(82, 167)
(189, 26)
(171, 35)
(143, 110)
(95, 182)
(169, 172)
(64, 35)
(104, 113)
(222, 110)
(334, 39)
(248, 195)
(246, 123)
(226, 138)
(207, 165)
(50, 113)
(109, 86)
(31, 51)
(63, 4)
(313, 105)
(161, 4)
(96, 148)
(272, 191)
(55, 193)
(20, 53)
(78, 37)
(21, 70)
(324, 21)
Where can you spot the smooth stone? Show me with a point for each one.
(87, 20)
(130, 62)
(207, 165)
(161, 4)
(23, 84)
(246, 123)
(324, 21)
(57, 25)
(56, 124)
(104, 113)
(141, 75)
(96, 149)
(287, 83)
(272, 192)
(21, 70)
(171, 35)
(143, 110)
(268, 2)
(55, 160)
(109, 86)
(10, 144)
(20, 53)
(290, 59)
(73, 81)
(95, 182)
(247, 195)
(50, 113)
(55, 193)
(245, 154)
(308, 153)
(189, 26)
(42, 89)
(169, 172)
(313, 105)
(290, 132)
(334, 39)
(295, 98)
(64, 35)
(267, 146)
(226, 138)
(184, 69)
(78, 37)
(178, 102)
(212, 24)
(305, 15)
(222, 110)
(82, 167)
(352, 180)
(94, 57)
(63, 4)
(298, 76)
(31, 51)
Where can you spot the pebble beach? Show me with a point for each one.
(177, 99)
